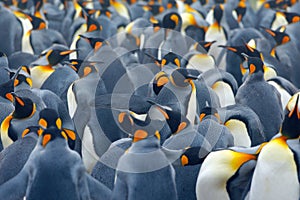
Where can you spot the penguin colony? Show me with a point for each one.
(138, 100)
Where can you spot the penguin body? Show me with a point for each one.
(76, 183)
(222, 83)
(215, 133)
(244, 124)
(14, 157)
(216, 170)
(258, 99)
(276, 157)
(105, 169)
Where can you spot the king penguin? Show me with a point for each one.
(45, 168)
(261, 97)
(276, 172)
(218, 170)
(136, 169)
(14, 157)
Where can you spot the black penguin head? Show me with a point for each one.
(218, 13)
(23, 79)
(170, 58)
(205, 45)
(49, 118)
(191, 156)
(291, 124)
(290, 17)
(92, 24)
(50, 134)
(172, 21)
(8, 87)
(86, 69)
(208, 111)
(55, 56)
(241, 10)
(274, 4)
(183, 77)
(37, 23)
(96, 43)
(279, 37)
(141, 134)
(160, 80)
(255, 65)
(24, 107)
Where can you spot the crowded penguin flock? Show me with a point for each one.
(146, 100)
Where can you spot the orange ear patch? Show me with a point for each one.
(184, 160)
(252, 68)
(46, 139)
(139, 135)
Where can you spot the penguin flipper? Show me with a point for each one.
(96, 188)
(8, 189)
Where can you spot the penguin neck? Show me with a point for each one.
(26, 44)
(257, 76)
(27, 28)
(192, 105)
(149, 144)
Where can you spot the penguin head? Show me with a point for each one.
(279, 37)
(8, 87)
(183, 77)
(160, 80)
(23, 79)
(49, 118)
(141, 134)
(205, 45)
(55, 56)
(209, 111)
(24, 107)
(273, 4)
(191, 156)
(37, 23)
(240, 11)
(86, 69)
(32, 129)
(255, 65)
(218, 13)
(291, 124)
(170, 58)
(172, 21)
(96, 43)
(92, 24)
(51, 134)
(291, 17)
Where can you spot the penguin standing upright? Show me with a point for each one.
(216, 32)
(49, 171)
(276, 173)
(261, 97)
(137, 169)
(14, 157)
(24, 115)
(219, 169)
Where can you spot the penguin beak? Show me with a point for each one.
(18, 99)
(63, 53)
